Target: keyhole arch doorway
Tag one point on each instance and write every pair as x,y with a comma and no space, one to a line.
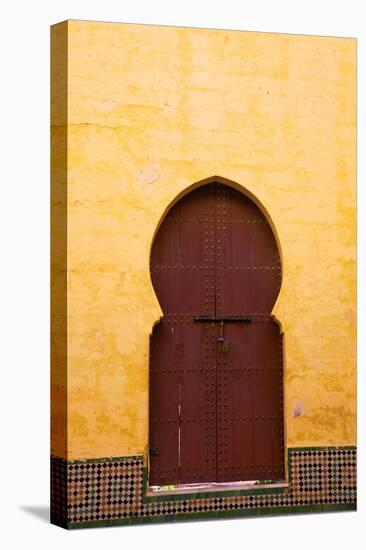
216,355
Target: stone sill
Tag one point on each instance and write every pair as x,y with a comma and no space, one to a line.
215,487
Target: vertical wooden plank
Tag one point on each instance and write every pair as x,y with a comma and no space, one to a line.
249,375
182,425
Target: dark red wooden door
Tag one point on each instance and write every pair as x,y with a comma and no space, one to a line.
216,411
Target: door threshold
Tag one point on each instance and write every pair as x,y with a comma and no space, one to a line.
214,487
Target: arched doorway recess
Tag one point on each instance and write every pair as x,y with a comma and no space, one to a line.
216,358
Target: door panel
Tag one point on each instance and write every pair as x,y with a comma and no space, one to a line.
163,405
198,411
183,351
182,403
248,267
249,413
256,290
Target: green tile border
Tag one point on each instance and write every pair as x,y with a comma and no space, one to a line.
227,514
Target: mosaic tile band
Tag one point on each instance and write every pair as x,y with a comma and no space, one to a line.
112,491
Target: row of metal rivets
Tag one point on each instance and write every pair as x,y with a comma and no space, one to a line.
182,369
228,267
206,219
252,268
222,407
259,417
210,341
252,467
203,220
240,314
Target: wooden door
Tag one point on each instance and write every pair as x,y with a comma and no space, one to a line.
215,384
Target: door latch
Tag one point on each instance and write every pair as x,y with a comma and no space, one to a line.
224,344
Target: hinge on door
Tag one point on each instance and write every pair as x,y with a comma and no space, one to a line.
153,451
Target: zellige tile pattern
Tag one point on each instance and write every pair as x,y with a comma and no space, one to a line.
108,491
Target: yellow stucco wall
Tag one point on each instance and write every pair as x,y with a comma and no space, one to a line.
151,110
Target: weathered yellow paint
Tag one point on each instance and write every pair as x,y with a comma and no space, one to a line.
151,111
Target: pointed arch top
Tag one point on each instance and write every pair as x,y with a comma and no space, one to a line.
230,183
